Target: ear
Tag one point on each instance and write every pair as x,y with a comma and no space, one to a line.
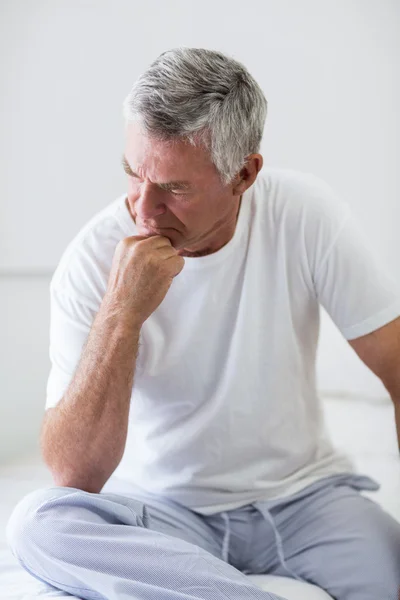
248,174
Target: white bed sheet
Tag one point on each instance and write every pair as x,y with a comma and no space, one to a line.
364,429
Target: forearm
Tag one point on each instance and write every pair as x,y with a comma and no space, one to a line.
84,436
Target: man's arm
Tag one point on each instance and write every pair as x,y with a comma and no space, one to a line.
380,351
83,437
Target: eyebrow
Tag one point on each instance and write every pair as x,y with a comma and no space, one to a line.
170,185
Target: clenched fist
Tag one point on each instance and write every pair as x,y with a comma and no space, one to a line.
141,273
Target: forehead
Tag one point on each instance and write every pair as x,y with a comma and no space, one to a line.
175,160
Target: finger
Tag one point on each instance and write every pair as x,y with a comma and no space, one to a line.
156,241
166,252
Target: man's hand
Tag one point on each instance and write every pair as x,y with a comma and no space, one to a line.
142,271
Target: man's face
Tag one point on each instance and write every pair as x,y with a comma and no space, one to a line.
174,190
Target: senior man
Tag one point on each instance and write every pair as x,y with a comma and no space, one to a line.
183,427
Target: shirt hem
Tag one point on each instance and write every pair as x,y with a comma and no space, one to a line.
370,324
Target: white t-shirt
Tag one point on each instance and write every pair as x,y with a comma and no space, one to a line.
224,408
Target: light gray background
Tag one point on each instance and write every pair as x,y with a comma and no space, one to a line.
329,70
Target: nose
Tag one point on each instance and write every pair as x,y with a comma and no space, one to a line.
149,202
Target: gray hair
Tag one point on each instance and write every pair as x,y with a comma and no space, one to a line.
204,97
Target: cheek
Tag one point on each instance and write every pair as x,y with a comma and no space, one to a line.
192,216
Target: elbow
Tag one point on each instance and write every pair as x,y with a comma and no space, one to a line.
74,481
85,480
72,477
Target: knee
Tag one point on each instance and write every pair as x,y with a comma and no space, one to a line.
26,521
373,572
384,563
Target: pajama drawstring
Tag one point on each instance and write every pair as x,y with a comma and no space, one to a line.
225,543
266,514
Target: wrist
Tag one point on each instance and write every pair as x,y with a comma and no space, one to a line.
120,316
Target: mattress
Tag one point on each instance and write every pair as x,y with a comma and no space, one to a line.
364,429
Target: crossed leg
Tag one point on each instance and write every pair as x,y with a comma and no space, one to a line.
109,546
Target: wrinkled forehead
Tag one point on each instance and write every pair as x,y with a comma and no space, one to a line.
164,160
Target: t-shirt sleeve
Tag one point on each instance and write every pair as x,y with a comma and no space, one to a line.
350,281
70,324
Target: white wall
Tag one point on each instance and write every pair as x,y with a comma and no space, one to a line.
24,362
329,70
